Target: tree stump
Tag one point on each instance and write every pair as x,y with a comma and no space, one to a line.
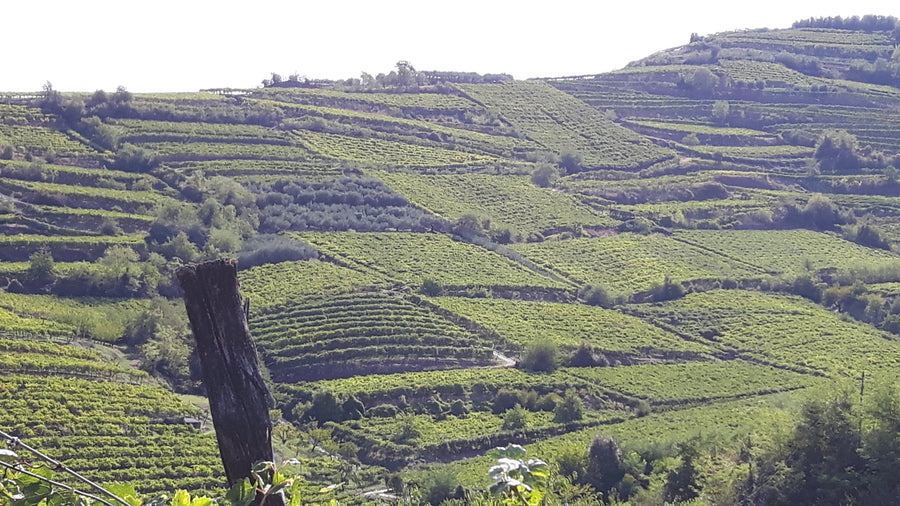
238,396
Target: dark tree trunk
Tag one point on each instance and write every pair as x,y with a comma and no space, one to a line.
238,397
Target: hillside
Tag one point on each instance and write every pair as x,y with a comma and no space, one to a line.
694,243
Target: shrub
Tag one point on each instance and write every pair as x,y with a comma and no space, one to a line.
271,248
548,402
570,409
605,466
596,295
642,408
540,356
545,175
431,288
668,290
583,357
383,411
15,286
804,286
458,408
515,419
506,399
134,159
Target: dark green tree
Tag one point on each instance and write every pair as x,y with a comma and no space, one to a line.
605,467
569,409
836,152
682,482
540,356
324,408
41,266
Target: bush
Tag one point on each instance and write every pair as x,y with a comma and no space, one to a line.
383,411
458,408
668,290
548,402
540,356
583,357
15,286
506,399
431,288
134,159
271,249
545,175
805,286
605,466
570,409
596,295
515,419
642,408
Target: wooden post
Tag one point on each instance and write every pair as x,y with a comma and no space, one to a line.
238,396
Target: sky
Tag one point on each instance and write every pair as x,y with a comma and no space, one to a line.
188,45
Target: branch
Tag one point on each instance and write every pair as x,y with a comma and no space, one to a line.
14,442
53,482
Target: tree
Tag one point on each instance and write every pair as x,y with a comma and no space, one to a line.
703,81
133,158
583,357
571,161
41,266
605,467
720,111
569,409
836,152
540,356
324,408
515,418
820,213
545,175
824,450
596,295
682,482
467,225
122,96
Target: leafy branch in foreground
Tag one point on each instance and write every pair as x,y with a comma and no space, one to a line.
25,487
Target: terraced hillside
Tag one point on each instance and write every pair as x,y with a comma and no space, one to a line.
446,263
63,395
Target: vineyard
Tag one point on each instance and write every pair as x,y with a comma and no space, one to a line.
111,431
680,252
559,122
413,258
631,263
506,201
365,333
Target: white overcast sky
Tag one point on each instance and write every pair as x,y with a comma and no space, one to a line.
186,45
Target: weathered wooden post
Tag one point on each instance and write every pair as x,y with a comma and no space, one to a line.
238,396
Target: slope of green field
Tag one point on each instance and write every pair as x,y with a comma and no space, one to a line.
791,252
112,432
279,284
568,325
785,331
413,258
359,334
561,123
690,166
507,201
630,263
